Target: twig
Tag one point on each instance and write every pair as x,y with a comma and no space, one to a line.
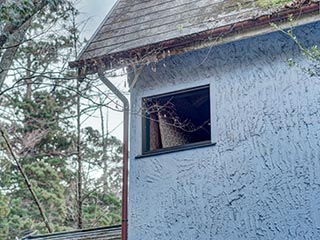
28,183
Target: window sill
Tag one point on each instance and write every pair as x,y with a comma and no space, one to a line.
176,149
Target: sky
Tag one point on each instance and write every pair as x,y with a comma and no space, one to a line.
94,11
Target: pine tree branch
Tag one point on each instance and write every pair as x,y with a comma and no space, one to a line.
28,183
11,28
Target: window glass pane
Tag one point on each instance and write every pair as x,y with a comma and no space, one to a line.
176,119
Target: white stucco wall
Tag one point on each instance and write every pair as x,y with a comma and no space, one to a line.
262,178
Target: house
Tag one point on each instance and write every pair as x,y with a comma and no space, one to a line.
224,134
102,233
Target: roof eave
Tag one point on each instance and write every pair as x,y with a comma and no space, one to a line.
227,33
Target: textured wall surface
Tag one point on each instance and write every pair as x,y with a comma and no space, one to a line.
262,178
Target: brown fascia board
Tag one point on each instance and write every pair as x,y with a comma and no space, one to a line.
160,50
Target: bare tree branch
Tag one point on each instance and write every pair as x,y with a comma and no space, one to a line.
28,183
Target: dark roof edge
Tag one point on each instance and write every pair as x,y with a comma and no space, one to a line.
178,45
116,227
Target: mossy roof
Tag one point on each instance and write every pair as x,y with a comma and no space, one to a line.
132,26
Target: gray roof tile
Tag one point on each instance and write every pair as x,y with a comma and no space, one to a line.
133,24
102,233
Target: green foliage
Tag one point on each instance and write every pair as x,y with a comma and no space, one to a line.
272,3
39,113
312,54
48,164
102,204
11,11
4,213
102,210
14,11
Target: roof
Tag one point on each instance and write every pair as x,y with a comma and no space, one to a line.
105,233
135,28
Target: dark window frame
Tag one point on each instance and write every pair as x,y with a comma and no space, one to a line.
146,129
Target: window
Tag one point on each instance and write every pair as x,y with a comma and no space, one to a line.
176,120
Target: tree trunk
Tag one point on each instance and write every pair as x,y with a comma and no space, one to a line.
9,54
28,79
104,150
10,28
79,160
